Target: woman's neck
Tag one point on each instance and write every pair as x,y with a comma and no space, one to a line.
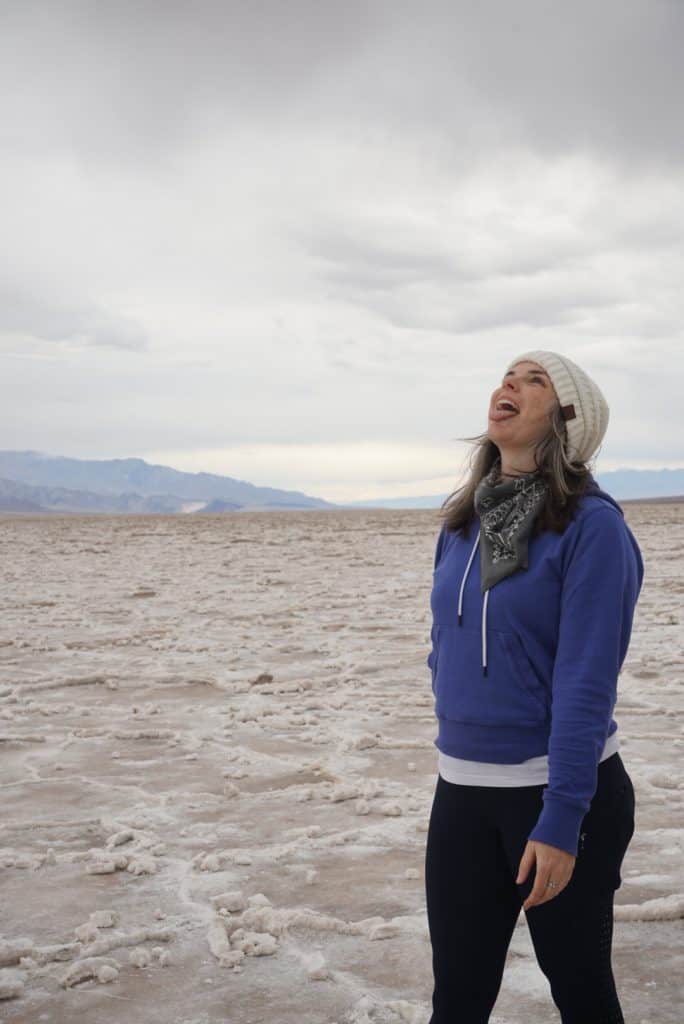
501,476
507,470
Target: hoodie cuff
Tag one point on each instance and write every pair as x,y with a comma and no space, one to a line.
558,825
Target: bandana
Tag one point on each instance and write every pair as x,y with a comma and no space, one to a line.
507,509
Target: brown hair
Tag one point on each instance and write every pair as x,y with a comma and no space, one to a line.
567,481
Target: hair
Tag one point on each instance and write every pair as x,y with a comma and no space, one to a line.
567,480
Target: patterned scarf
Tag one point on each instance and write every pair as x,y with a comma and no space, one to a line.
507,509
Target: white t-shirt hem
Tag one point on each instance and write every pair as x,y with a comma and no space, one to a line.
534,771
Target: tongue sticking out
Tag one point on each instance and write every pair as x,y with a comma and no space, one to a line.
502,414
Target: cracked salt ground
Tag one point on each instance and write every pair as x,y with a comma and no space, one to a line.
216,790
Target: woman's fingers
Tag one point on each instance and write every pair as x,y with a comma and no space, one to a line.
552,864
541,892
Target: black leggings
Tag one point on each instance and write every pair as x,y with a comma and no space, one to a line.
475,841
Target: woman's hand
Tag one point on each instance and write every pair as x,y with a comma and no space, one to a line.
553,863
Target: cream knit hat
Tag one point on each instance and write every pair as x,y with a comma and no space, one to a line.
583,404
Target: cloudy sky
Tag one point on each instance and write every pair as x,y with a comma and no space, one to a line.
297,242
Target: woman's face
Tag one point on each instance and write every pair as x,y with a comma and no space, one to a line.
528,386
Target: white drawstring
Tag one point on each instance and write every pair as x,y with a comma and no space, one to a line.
465,577
484,632
484,604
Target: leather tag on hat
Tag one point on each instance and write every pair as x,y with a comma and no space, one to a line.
568,412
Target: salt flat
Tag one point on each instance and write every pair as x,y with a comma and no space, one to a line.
218,764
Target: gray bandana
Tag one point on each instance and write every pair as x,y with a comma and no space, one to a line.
507,509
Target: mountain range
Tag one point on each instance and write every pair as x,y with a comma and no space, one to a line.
35,483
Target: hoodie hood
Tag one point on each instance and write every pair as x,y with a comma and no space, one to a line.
595,490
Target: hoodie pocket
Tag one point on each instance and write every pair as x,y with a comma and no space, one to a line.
524,673
464,694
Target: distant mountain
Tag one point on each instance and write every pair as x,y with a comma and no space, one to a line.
623,484
643,483
33,482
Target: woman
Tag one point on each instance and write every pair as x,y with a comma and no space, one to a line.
533,806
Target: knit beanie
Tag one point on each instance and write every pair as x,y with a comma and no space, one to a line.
583,404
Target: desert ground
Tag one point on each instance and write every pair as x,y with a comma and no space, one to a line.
217,740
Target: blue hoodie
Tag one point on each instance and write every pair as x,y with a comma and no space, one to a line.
531,666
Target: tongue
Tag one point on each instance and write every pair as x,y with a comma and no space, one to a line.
503,414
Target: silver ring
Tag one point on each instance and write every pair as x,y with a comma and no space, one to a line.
554,885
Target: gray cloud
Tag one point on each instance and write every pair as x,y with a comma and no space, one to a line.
39,317
461,277
136,80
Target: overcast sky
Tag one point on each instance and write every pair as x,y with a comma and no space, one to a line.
298,242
